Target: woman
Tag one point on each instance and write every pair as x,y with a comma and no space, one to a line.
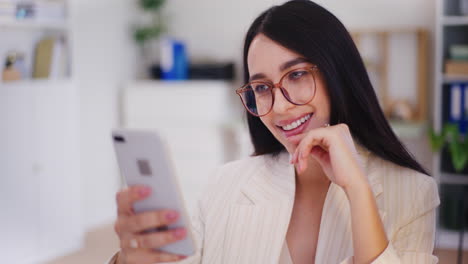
329,182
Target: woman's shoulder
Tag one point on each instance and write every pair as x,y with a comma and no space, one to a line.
403,188
395,174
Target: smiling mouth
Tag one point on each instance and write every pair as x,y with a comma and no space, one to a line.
297,123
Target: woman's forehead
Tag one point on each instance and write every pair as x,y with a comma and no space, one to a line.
265,55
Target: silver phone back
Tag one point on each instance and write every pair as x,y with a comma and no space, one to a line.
143,160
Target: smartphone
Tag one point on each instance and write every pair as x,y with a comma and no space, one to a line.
144,160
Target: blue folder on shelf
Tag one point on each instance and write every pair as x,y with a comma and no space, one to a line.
464,125
458,113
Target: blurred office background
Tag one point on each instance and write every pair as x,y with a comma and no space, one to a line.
72,70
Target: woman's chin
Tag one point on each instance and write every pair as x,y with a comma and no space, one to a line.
291,143
294,140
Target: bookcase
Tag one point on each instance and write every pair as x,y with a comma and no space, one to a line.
22,34
451,29
40,194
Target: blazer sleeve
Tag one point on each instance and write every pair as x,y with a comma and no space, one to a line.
413,243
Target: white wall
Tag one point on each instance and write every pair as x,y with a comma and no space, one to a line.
103,57
215,29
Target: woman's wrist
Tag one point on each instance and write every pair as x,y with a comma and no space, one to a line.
357,186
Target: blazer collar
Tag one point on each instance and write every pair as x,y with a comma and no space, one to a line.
275,178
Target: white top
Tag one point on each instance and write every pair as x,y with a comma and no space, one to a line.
285,257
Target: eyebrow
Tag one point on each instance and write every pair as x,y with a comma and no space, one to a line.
283,67
291,63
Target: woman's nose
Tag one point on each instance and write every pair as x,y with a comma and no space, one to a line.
280,104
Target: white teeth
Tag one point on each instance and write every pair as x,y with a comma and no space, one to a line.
296,123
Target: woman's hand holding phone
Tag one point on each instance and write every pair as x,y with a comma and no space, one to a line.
136,243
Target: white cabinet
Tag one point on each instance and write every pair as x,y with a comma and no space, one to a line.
195,118
18,190
40,206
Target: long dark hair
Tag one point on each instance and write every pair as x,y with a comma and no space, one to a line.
310,30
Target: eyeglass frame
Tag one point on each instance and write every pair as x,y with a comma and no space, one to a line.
278,85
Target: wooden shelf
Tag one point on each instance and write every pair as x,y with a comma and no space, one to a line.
30,24
409,129
448,239
454,78
455,21
450,178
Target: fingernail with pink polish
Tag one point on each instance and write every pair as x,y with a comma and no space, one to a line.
179,233
144,191
172,215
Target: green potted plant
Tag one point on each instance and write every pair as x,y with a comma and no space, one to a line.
146,34
452,195
457,145
156,26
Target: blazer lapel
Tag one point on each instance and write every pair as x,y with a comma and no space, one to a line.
335,235
258,221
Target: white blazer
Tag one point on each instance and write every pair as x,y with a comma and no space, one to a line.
244,214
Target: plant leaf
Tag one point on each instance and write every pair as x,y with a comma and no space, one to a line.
143,34
437,141
459,154
153,5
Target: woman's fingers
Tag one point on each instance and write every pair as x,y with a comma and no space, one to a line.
320,153
308,140
152,240
161,238
138,242
145,220
147,256
126,197
315,137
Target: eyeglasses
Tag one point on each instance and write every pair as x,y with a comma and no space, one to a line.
297,86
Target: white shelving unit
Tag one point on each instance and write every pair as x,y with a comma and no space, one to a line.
27,24
450,178
22,35
446,79
40,198
451,28
448,239
454,20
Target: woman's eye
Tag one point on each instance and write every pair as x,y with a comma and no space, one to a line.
260,88
297,75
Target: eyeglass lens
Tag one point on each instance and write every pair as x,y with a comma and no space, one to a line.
298,88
